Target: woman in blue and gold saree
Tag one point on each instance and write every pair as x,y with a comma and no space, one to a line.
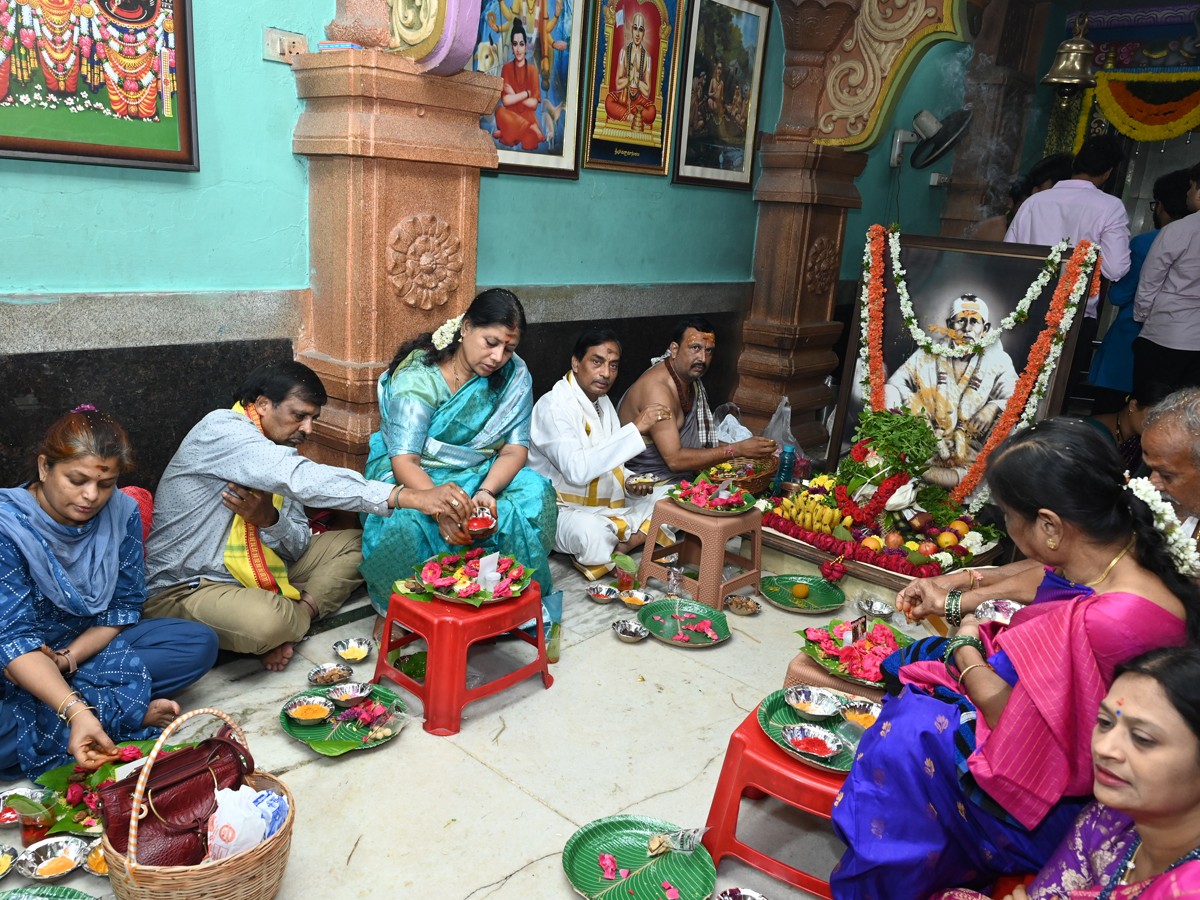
455,407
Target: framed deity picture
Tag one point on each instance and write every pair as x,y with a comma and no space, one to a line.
537,48
108,82
990,332
632,84
722,86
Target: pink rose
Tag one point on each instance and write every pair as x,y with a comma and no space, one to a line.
74,795
91,799
130,753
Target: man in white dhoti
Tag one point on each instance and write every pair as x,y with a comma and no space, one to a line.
577,441
962,397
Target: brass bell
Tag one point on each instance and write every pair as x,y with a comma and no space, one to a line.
1072,68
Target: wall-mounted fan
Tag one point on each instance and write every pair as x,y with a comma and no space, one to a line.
934,138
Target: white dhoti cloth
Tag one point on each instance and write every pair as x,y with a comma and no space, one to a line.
582,447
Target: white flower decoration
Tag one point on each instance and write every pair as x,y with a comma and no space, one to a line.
444,336
1179,543
972,542
943,559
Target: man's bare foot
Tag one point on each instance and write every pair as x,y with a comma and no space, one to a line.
161,713
276,660
638,540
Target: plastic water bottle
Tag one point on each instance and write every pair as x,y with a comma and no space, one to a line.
787,463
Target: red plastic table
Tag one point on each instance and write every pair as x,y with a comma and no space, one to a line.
449,629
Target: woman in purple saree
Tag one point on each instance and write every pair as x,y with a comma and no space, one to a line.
1141,837
980,760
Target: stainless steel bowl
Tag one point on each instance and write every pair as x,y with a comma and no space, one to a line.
350,693
73,848
865,707
353,646
329,673
741,605
94,847
875,608
812,703
793,733
313,700
630,631
602,593
8,856
634,599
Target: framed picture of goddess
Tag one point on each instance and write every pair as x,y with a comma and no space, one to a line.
108,82
632,85
536,47
718,118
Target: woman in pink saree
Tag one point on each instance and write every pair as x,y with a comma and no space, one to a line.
980,760
1141,836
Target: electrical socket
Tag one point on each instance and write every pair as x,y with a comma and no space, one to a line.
939,179
282,46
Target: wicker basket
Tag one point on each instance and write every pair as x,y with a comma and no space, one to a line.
756,484
254,874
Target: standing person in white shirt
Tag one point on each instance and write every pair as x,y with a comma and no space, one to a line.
1077,209
578,442
1168,300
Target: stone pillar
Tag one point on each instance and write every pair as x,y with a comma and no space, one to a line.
393,160
804,192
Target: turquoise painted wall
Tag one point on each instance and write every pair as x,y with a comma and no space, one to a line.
904,195
240,222
614,227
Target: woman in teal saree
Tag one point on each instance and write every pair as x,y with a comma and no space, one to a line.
455,408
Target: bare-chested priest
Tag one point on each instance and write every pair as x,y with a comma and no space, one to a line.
685,441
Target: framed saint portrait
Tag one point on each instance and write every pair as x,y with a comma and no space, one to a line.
108,82
995,300
537,48
722,87
632,84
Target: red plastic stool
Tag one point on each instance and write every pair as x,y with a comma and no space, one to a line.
753,764
449,630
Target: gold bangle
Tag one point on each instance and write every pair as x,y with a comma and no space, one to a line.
93,709
963,673
62,706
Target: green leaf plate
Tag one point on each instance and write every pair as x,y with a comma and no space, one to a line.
834,667
627,838
659,617
330,739
479,599
823,596
774,713
46,892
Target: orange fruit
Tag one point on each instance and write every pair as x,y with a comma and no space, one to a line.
959,527
800,591
873,541
947,539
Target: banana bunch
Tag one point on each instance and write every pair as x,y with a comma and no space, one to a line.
812,513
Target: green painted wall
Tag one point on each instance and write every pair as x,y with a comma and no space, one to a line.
614,227
240,222
904,195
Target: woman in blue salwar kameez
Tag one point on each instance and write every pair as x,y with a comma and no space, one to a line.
455,407
82,669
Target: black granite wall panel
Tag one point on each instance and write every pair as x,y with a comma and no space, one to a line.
156,393
159,393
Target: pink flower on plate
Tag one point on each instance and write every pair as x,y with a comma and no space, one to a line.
91,800
608,866
130,753
682,638
74,794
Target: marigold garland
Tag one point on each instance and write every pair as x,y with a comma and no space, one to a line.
1141,120
873,293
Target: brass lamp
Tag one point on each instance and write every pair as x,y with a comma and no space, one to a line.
1072,68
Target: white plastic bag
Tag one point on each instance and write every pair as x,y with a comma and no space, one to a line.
779,429
236,825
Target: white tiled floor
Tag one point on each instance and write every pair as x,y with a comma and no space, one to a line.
485,813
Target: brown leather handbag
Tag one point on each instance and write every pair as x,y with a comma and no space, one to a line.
180,796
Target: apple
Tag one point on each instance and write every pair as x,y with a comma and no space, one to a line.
927,548
893,539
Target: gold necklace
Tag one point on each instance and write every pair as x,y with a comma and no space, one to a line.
1116,559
